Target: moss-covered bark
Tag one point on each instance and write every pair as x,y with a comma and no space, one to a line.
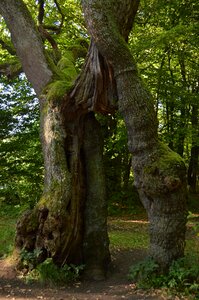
96,241
159,173
56,226
69,222
59,213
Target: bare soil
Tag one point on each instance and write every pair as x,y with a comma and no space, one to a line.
116,286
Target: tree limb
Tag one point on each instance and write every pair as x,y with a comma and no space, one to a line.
27,42
7,47
10,70
61,13
41,11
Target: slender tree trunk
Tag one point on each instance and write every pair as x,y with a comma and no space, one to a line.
193,169
170,105
127,171
160,174
183,110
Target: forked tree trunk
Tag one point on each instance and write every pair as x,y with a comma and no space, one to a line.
160,174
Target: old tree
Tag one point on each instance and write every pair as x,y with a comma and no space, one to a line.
69,222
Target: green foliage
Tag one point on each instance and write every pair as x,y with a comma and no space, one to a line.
182,277
144,273
165,45
48,273
122,196
192,217
28,258
8,219
21,159
7,232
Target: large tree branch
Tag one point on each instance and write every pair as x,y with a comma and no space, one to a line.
109,25
29,46
10,70
7,47
110,30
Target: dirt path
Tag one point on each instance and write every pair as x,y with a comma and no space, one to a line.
115,287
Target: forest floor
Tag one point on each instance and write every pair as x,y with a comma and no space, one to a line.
116,286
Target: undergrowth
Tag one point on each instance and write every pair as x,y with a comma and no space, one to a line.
181,279
48,273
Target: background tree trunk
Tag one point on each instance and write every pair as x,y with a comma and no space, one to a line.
159,173
193,169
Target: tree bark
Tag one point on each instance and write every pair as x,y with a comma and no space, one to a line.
27,42
55,226
61,224
96,241
160,174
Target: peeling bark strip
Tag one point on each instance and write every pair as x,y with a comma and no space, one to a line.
94,89
160,174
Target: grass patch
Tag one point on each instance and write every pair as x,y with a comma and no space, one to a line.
8,219
128,234
128,240
7,233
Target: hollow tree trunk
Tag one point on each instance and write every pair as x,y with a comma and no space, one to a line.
69,222
56,226
159,173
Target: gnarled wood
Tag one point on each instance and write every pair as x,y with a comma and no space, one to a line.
56,225
94,89
160,175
